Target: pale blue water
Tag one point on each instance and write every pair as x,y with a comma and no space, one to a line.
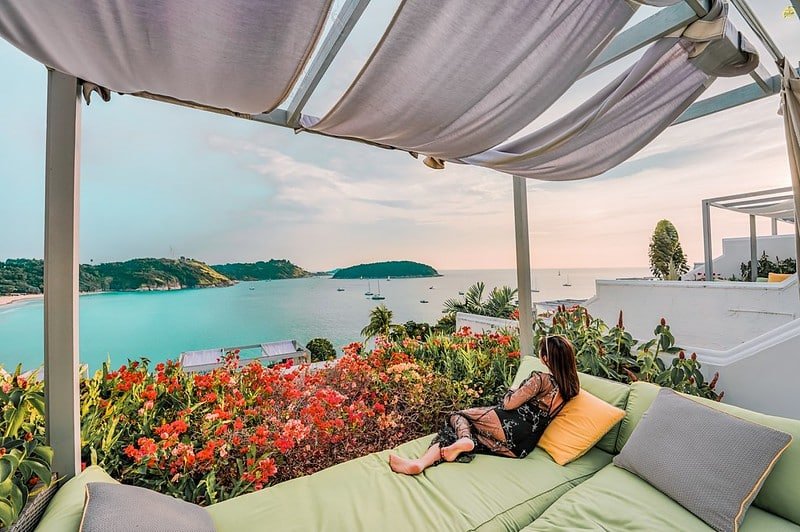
160,325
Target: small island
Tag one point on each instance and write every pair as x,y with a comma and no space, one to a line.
26,276
393,269
262,270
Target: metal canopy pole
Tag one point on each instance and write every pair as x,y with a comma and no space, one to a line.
61,213
707,258
774,226
342,26
523,267
753,249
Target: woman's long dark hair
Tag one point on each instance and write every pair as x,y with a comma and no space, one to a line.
559,356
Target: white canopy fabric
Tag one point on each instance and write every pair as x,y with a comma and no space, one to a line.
452,78
239,55
783,210
628,113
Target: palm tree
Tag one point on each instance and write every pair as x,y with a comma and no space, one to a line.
500,304
380,323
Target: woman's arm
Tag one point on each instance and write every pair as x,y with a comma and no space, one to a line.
529,388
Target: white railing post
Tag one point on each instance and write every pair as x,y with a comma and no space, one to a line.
708,266
753,249
523,266
61,213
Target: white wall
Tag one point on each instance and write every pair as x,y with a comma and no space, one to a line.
749,332
711,315
481,324
735,251
760,374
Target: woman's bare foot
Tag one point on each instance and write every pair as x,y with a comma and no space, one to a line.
404,465
461,445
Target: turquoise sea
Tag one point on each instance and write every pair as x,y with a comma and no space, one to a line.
160,325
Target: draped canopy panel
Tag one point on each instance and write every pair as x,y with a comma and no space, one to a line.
239,55
452,78
631,111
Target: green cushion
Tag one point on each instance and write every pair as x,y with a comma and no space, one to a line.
490,493
64,512
780,493
611,392
642,395
614,499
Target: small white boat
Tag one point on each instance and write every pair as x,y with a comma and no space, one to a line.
378,296
369,290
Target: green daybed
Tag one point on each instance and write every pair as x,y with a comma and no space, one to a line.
489,494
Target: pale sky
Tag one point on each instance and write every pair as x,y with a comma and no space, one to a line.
160,180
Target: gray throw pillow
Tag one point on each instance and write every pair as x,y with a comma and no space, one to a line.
710,462
121,508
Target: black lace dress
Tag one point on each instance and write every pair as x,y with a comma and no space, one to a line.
512,428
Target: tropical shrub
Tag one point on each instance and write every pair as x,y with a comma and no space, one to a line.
321,349
765,266
420,331
614,354
667,260
25,460
482,365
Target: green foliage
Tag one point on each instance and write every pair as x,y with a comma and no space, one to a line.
260,271
380,324
419,331
25,276
499,304
21,276
613,353
667,260
380,270
321,349
25,460
480,366
767,266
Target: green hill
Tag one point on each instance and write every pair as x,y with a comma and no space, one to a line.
25,276
379,270
259,271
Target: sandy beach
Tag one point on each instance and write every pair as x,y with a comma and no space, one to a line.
7,300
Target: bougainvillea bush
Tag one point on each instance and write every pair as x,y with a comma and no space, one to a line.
209,437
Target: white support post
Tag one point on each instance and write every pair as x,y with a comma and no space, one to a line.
523,267
61,213
753,249
708,264
774,226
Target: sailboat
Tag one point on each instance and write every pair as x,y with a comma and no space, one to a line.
567,283
533,288
369,289
378,296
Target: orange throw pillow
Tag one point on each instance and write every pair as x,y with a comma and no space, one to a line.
583,421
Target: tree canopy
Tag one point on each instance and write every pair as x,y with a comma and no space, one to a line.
667,259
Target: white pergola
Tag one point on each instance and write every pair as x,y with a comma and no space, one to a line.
27,24
777,204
